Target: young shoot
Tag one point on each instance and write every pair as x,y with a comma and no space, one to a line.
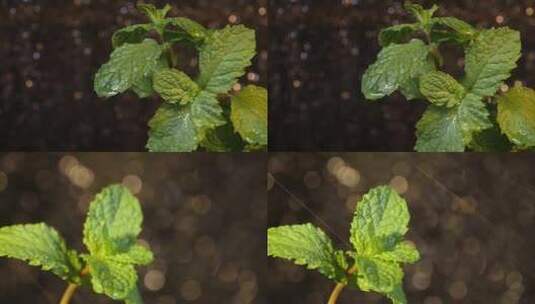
478,112
111,230
210,111
373,264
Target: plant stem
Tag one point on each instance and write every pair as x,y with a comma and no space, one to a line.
69,292
438,56
340,286
71,288
172,56
434,49
335,294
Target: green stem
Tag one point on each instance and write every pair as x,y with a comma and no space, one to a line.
69,292
71,289
427,36
439,59
173,57
335,294
340,287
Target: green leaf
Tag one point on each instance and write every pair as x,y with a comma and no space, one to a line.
424,16
452,129
224,58
439,131
397,295
450,29
306,245
249,114
113,222
396,65
155,15
134,297
129,64
131,34
222,139
400,33
40,245
378,275
185,29
516,116
403,252
172,130
144,88
491,140
411,88
175,86
441,89
490,58
206,114
114,279
110,232
380,219
136,254
180,129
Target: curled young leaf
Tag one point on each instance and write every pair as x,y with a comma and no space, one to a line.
175,86
184,29
145,88
451,29
131,34
398,34
155,15
441,89
424,16
411,88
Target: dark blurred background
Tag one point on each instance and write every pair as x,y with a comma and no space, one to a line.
50,51
319,51
473,219
204,218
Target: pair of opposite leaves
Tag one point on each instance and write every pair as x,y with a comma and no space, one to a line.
379,224
110,232
458,116
192,115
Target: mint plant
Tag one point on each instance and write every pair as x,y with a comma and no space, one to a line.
464,114
197,113
110,234
374,264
